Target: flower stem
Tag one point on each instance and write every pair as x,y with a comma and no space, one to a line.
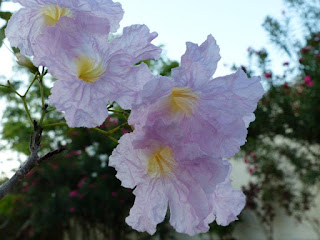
116,111
113,139
32,82
44,106
108,133
23,98
5,86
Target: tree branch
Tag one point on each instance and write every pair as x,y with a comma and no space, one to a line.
32,161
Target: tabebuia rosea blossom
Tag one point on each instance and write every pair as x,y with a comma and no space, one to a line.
91,73
97,17
182,178
214,113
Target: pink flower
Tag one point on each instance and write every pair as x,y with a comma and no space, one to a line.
124,131
183,178
286,64
97,17
268,75
113,194
74,193
307,78
114,121
91,72
310,84
82,182
214,113
308,81
76,152
29,174
251,171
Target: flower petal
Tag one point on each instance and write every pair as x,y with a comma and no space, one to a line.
149,209
84,105
124,158
136,42
23,28
199,63
228,203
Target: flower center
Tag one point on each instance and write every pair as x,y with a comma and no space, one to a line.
88,70
183,100
53,13
162,163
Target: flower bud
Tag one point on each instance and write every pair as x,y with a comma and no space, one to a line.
26,62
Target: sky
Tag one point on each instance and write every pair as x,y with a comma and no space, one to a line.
236,25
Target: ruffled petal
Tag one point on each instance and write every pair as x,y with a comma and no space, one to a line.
126,160
189,206
228,203
126,90
136,43
234,95
152,92
225,102
149,209
104,10
84,105
198,64
209,172
23,28
26,3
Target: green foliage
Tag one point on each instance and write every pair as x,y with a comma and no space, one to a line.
283,148
5,16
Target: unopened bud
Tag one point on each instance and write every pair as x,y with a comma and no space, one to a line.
26,62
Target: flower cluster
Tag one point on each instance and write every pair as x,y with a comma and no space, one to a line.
184,126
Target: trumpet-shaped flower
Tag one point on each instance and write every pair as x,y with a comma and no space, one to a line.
182,178
92,73
97,16
214,113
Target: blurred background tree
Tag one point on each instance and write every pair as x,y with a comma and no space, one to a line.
76,194
282,152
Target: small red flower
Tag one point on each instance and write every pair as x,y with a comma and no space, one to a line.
268,75
74,193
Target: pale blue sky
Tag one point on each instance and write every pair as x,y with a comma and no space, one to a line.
235,24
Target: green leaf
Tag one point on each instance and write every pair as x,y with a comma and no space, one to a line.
2,35
5,15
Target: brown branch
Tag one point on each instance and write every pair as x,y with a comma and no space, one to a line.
32,161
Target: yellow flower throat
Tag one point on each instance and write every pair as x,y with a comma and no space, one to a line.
183,100
88,70
53,13
162,163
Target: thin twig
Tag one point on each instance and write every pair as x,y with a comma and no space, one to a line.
32,161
